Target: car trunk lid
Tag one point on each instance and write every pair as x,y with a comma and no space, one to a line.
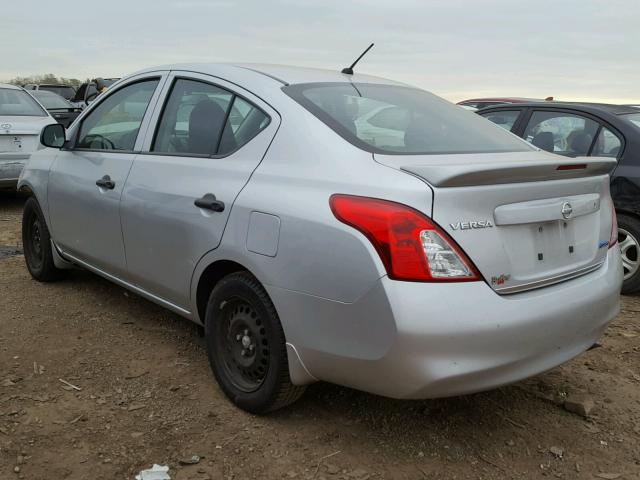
527,219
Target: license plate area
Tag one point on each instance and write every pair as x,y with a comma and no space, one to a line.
546,249
554,241
11,143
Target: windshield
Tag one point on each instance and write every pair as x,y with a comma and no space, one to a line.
633,118
393,119
19,102
62,90
50,100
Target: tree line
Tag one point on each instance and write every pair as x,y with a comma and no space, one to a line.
46,78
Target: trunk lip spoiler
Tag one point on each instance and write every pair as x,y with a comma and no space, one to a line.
465,170
482,173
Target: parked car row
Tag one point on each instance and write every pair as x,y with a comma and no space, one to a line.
331,226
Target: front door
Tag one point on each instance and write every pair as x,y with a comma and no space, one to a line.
200,151
86,181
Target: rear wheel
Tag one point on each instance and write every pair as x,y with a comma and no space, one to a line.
36,242
246,345
629,241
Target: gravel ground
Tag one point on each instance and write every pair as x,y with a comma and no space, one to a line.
143,393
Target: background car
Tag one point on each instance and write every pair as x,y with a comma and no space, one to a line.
479,103
21,121
588,129
87,92
65,91
62,110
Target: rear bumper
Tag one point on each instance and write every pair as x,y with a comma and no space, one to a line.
11,165
417,340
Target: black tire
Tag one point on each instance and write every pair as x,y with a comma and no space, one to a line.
36,242
246,345
629,241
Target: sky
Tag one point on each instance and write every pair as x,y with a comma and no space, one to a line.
458,49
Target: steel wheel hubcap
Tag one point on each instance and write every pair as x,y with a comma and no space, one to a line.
35,244
629,250
243,345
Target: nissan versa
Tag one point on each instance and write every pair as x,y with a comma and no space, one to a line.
328,226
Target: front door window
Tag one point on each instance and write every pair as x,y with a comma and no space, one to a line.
115,123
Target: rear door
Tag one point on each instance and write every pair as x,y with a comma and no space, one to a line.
200,151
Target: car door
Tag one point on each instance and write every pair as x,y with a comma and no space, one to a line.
201,148
87,179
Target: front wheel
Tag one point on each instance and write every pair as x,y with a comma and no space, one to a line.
36,242
629,241
246,345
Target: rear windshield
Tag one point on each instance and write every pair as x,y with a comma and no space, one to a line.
62,90
392,119
19,102
49,100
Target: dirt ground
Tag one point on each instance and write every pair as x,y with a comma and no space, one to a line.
145,395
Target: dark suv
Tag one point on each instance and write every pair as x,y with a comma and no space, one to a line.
590,129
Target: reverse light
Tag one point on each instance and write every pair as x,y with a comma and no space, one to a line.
411,246
613,237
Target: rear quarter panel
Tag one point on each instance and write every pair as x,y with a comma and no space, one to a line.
316,254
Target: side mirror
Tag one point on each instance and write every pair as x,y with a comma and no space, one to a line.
53,136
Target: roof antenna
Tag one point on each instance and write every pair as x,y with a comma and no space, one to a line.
349,70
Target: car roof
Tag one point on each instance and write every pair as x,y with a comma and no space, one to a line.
503,99
585,106
44,93
283,74
8,85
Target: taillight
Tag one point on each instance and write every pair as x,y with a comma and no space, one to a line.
411,246
613,237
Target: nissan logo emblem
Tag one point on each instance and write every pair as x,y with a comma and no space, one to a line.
566,210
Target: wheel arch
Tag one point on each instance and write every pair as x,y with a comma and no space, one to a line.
208,279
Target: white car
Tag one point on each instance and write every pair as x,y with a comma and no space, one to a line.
21,121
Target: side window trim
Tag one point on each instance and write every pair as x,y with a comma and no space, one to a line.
595,139
166,92
224,125
159,76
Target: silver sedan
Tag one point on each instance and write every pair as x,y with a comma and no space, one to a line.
327,226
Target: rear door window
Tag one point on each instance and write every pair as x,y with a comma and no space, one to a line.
504,118
203,119
559,132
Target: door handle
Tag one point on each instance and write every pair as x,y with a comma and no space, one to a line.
209,202
106,182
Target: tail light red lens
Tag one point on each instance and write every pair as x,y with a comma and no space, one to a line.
613,237
412,247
